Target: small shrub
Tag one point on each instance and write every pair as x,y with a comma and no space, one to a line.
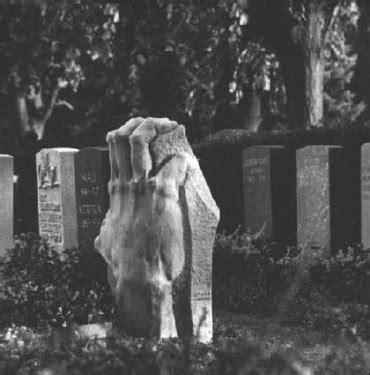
125,355
42,287
328,294
248,278
346,275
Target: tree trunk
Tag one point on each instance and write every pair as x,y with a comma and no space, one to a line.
39,128
18,115
22,126
254,115
314,60
361,80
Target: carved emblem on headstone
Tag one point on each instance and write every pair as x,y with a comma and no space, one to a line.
48,175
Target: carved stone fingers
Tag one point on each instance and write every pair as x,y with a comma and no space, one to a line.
119,151
140,140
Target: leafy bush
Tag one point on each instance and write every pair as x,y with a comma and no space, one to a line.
246,275
326,294
346,275
125,355
42,287
24,352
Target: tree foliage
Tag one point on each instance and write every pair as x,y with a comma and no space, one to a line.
195,61
49,50
338,22
211,66
341,59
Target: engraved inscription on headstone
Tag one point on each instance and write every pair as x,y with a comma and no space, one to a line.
56,197
269,189
257,190
320,198
91,175
6,203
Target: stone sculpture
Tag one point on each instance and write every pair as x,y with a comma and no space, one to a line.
158,234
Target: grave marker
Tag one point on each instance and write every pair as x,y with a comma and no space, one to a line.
321,198
92,171
56,197
365,195
269,192
6,203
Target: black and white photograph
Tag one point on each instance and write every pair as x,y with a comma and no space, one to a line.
185,187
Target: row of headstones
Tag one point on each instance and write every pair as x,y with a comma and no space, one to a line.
73,200
308,197
317,197
72,196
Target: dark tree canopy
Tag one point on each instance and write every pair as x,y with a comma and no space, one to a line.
67,66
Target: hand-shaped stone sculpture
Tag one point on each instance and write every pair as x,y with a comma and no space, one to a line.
158,234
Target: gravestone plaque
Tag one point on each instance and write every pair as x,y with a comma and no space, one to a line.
269,192
320,198
92,171
6,203
365,195
56,197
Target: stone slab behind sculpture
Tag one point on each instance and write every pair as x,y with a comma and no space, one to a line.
56,197
269,193
6,203
202,218
92,199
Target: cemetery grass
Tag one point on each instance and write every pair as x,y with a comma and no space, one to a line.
242,344
325,326
321,351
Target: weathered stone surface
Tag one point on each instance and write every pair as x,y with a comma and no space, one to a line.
320,198
6,203
157,237
269,189
365,195
92,199
56,197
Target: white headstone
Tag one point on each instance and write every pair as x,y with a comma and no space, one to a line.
57,197
6,203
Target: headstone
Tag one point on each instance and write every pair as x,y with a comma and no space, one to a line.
56,197
6,203
91,177
193,311
365,195
157,237
352,187
321,197
269,190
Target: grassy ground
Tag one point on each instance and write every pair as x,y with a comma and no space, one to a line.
242,346
343,354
